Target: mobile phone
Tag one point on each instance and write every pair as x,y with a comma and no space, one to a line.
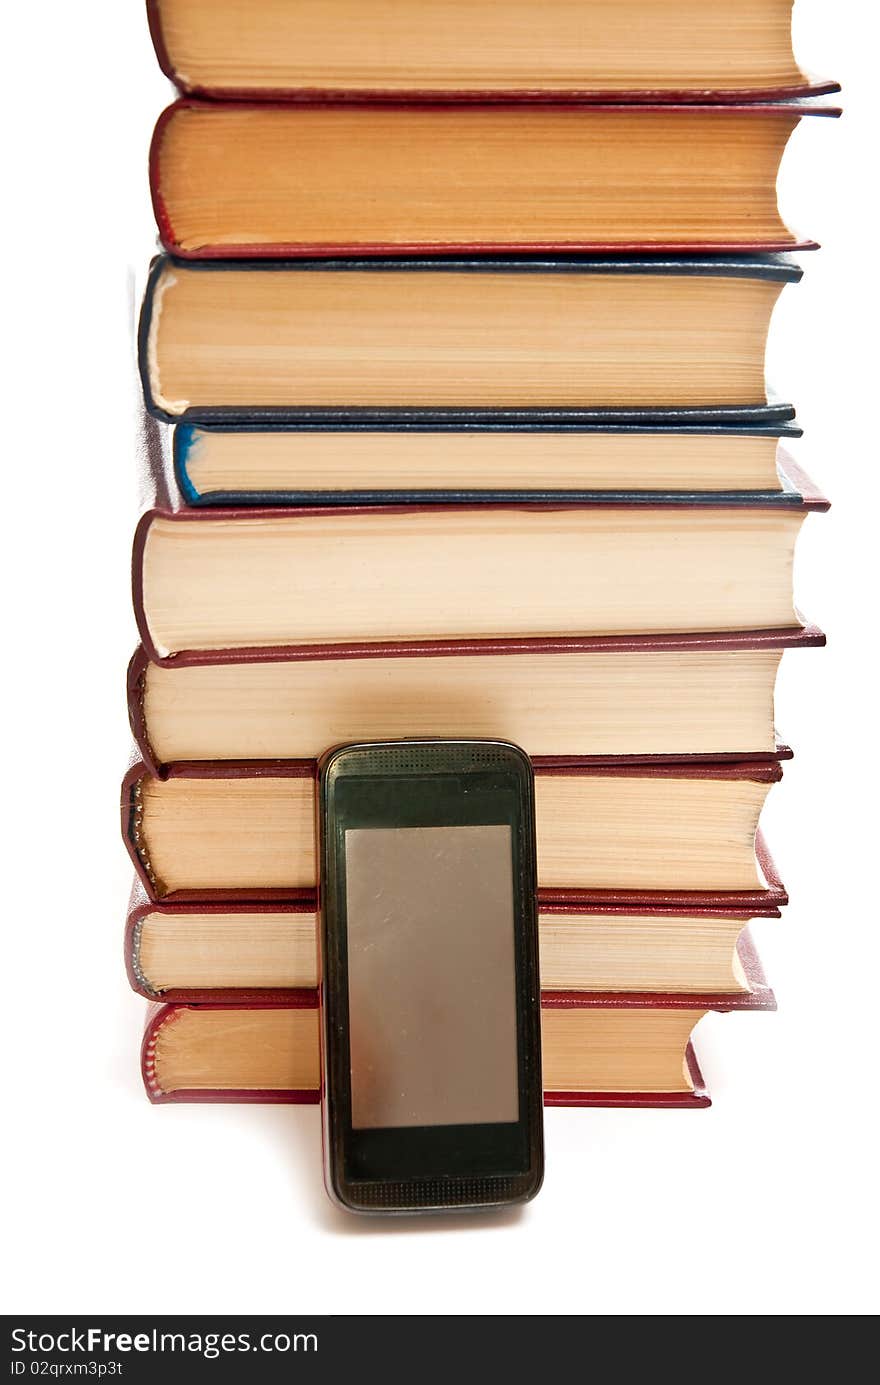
430,995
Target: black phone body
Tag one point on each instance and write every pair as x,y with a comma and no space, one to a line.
430,994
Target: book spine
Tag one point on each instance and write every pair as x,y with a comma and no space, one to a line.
135,685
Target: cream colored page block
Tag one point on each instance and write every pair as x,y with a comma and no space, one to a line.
605,832
272,1050
594,952
483,573
616,1050
564,704
214,950
206,834
282,337
599,952
299,175
614,833
565,45
279,461
277,1050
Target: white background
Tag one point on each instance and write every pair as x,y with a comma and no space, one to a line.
764,1205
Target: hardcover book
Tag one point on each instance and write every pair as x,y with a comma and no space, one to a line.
657,697
210,580
355,463
553,339
197,952
599,1049
481,49
239,181
636,834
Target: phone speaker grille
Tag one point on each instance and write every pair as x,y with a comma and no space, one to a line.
379,760
424,1194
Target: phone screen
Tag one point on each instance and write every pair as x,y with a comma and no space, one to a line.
431,975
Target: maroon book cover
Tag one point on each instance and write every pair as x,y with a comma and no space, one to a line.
758,997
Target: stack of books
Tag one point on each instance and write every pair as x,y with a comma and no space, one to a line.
460,329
